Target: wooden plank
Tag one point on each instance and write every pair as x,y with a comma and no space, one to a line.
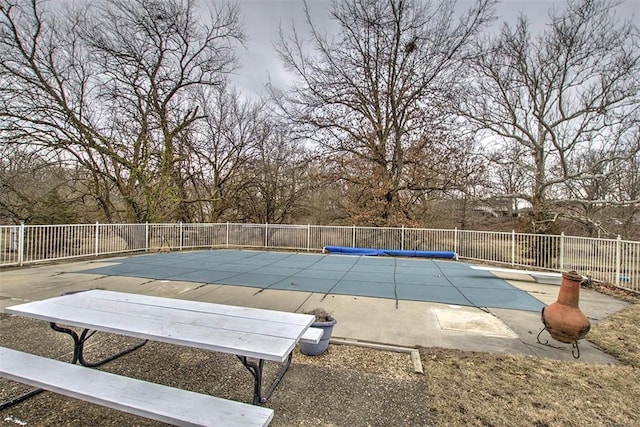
155,401
163,330
142,312
206,307
312,336
264,334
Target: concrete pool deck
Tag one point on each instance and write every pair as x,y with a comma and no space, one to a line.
361,319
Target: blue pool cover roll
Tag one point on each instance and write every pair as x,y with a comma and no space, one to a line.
389,252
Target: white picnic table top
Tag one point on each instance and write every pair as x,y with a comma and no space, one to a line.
242,331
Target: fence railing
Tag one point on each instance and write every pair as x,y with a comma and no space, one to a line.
612,260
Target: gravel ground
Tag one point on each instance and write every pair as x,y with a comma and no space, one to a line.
346,386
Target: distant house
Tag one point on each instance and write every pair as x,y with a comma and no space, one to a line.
498,208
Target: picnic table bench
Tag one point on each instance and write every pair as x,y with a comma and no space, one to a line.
253,335
155,401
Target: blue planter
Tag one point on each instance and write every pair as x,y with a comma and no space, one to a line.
321,347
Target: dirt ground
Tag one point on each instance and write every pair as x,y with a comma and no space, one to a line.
353,386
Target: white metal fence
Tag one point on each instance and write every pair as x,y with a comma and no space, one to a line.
613,260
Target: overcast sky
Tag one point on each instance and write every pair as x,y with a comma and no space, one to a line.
262,19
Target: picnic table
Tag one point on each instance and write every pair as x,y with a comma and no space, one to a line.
253,335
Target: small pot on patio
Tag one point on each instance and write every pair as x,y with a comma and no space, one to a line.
325,322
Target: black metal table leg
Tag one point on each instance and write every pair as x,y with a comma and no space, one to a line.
78,346
78,357
256,370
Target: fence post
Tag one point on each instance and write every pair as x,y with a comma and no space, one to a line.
618,260
97,238
266,235
455,240
227,234
146,236
562,251
353,237
402,239
308,237
181,235
21,245
513,247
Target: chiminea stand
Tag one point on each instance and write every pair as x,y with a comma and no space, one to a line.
575,348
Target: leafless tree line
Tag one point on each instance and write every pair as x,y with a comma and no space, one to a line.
413,113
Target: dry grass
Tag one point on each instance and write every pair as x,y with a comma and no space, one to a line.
385,363
467,388
501,390
619,335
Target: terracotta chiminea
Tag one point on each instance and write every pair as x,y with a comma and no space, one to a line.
563,319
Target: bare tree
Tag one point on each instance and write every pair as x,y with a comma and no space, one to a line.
626,188
371,96
280,181
36,188
224,144
111,85
549,99
507,176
